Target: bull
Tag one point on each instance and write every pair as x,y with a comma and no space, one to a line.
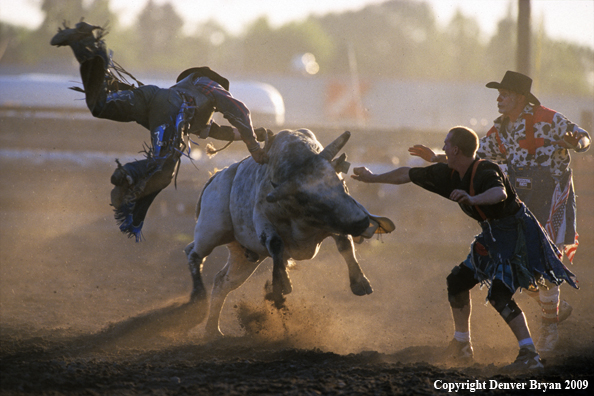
284,210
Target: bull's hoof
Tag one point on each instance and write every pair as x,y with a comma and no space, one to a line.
281,283
198,296
361,287
285,283
277,299
287,287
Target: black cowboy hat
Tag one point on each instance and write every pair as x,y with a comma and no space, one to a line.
205,71
516,82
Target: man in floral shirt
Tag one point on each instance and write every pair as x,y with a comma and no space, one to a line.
534,142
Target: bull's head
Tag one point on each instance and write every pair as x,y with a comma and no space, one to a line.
339,164
313,190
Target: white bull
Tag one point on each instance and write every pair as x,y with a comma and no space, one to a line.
284,210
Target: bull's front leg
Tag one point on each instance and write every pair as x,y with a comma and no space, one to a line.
281,283
360,285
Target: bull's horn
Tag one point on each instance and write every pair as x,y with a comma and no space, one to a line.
333,148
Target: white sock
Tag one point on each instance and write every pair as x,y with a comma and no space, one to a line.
527,343
462,337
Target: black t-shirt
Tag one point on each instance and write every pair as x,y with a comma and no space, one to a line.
442,180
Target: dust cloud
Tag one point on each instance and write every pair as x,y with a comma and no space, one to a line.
67,273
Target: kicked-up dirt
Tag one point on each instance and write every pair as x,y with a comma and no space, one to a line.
86,311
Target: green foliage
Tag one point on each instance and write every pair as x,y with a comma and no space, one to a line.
465,53
58,12
395,39
13,48
501,50
564,67
266,50
98,13
158,31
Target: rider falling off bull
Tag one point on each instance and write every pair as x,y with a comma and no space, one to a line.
170,114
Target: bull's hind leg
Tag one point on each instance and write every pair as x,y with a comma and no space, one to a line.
197,251
360,285
237,270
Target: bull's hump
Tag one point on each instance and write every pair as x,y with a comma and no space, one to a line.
299,141
292,151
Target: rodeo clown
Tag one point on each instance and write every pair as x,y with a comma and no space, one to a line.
170,114
513,251
535,143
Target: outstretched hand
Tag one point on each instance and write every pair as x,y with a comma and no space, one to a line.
424,152
569,141
262,134
362,174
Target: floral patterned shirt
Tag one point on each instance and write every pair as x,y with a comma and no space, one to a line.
509,143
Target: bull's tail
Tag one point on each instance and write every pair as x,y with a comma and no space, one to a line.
202,193
188,249
231,168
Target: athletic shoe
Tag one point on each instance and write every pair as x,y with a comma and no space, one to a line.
564,310
81,31
459,353
549,337
527,360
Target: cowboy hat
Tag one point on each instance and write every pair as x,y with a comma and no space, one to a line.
204,71
516,82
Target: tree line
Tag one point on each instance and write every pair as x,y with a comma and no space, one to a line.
397,39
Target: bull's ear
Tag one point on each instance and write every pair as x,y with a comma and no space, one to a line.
340,164
333,148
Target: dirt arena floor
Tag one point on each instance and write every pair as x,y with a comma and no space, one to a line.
86,311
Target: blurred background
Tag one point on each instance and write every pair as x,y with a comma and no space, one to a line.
378,64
